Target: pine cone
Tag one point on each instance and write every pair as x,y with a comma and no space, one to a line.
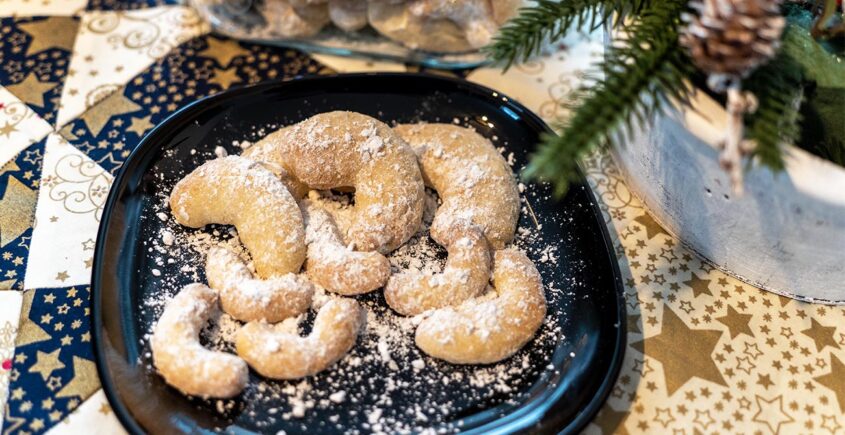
732,37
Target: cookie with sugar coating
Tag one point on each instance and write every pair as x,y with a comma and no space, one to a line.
465,275
247,298
349,15
287,355
334,266
485,331
475,183
182,360
238,191
396,21
294,18
475,18
347,149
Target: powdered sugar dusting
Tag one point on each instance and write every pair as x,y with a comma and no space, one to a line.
385,384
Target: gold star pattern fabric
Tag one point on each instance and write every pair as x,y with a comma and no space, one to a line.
109,130
49,33
18,205
31,90
736,322
114,105
34,57
706,354
821,335
46,363
53,369
680,367
834,380
19,185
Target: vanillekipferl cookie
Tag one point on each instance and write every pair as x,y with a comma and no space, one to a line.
348,149
485,304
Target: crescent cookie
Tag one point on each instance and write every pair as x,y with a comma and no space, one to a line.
349,15
294,18
488,331
474,17
284,355
347,149
182,360
475,183
237,191
395,20
332,265
247,298
465,276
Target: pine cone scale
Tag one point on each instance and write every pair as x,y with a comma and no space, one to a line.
732,37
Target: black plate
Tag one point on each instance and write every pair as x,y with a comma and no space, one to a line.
566,376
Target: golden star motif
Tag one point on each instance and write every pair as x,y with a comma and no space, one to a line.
694,361
99,114
223,50
703,418
752,350
783,300
698,285
36,424
8,129
771,413
31,90
84,382
46,363
18,393
140,125
745,364
822,335
663,416
62,276
225,77
829,422
765,381
29,331
67,132
736,322
835,380
652,228
54,32
12,424
104,409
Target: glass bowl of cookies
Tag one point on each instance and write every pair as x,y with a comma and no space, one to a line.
432,33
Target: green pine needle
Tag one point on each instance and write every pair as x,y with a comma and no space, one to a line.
549,20
638,75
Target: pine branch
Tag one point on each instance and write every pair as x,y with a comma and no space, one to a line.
777,86
550,20
639,75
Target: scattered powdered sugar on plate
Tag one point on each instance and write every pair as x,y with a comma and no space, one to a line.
385,384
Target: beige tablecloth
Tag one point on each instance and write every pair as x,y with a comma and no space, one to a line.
81,83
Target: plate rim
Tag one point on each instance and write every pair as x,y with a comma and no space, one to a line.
146,144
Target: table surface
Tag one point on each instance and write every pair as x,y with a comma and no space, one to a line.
82,80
